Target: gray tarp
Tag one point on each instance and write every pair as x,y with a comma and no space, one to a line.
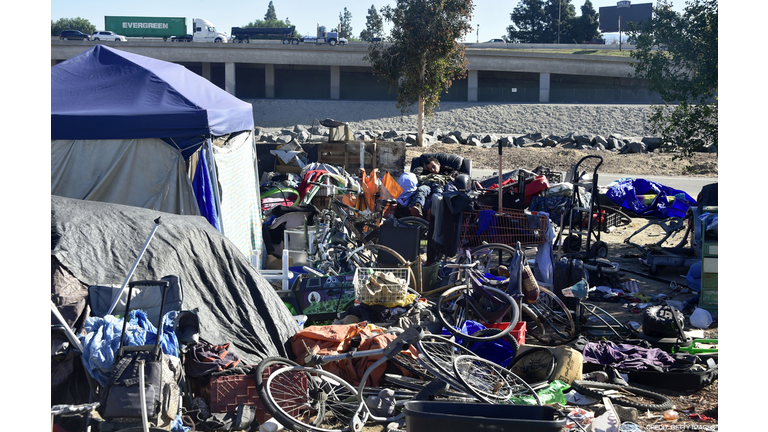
140,172
99,242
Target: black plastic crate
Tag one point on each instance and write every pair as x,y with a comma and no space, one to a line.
428,416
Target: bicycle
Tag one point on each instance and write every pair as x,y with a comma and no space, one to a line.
460,308
307,398
363,228
547,318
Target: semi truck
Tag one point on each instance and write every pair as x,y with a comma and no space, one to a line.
173,28
287,35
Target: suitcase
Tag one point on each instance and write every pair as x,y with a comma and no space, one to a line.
703,371
568,271
121,403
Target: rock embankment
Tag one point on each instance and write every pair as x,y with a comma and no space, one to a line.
617,128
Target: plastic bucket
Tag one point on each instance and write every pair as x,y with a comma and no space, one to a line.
429,277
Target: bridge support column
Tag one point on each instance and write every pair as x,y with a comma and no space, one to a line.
229,78
269,81
472,86
544,87
207,70
335,83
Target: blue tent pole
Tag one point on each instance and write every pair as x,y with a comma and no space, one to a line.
209,146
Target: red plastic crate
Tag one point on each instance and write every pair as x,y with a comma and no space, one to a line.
518,332
227,392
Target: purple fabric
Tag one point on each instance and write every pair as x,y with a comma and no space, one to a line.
627,356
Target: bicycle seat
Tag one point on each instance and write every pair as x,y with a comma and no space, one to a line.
339,239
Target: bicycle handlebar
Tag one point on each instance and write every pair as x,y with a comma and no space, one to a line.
460,265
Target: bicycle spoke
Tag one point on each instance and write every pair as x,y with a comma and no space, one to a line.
313,399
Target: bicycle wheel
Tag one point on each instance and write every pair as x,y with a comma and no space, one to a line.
551,321
623,395
490,382
493,256
436,355
461,308
534,365
308,399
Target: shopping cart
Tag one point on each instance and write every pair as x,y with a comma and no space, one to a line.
483,224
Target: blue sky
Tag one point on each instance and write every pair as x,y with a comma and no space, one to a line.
491,17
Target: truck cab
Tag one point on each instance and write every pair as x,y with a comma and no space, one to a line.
205,31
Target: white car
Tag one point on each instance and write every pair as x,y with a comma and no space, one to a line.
108,36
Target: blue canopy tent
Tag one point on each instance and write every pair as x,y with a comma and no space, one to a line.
107,103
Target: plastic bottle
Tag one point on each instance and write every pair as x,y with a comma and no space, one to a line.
670,415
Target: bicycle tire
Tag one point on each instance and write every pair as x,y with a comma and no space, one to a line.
493,255
454,308
436,354
597,390
265,368
553,321
534,365
327,404
490,382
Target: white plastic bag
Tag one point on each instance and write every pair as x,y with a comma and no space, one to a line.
701,318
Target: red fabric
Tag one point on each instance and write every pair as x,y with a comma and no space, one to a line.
336,339
309,176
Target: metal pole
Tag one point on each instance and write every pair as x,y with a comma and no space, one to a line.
215,179
559,3
135,264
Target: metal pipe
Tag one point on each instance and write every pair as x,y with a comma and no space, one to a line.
135,264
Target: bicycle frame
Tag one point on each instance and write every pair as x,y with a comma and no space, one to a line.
411,335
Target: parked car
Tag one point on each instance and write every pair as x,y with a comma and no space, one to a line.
596,42
185,38
73,35
108,36
496,41
373,39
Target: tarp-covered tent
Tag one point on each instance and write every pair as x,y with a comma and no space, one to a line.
125,128
97,243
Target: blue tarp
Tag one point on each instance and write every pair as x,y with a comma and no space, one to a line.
105,93
668,202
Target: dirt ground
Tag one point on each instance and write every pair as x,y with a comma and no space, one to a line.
702,402
561,159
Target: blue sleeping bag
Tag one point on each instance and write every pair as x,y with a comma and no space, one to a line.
668,202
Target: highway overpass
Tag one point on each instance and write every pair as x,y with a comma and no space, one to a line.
270,69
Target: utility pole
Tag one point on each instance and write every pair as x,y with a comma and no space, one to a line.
478,33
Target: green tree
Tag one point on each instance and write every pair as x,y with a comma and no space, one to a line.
270,15
677,54
424,55
345,24
374,25
528,20
558,11
585,27
78,23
